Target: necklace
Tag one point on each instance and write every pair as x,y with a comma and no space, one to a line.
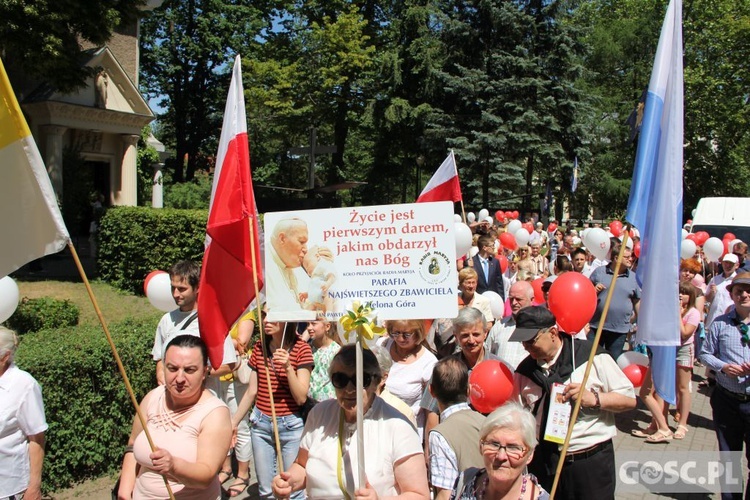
481,490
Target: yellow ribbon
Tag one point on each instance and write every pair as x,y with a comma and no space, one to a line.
361,320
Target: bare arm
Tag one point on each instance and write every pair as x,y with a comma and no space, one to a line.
294,479
129,465
247,400
411,478
223,370
36,461
299,383
244,334
213,444
610,401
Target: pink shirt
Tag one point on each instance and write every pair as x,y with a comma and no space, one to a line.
179,435
691,317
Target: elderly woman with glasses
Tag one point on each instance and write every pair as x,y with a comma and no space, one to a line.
507,441
326,466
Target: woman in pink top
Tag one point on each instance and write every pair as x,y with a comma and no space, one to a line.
691,317
190,427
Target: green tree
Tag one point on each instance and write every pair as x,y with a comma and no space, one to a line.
44,37
188,47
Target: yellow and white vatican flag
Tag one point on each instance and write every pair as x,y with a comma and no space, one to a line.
31,225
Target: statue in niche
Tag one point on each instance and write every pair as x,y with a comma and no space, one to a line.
100,87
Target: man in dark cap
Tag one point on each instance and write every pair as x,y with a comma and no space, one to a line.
551,376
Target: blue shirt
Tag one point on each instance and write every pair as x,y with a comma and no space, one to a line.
627,293
723,345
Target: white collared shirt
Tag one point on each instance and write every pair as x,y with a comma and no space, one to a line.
21,415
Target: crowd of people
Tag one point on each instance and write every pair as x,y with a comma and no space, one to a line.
293,413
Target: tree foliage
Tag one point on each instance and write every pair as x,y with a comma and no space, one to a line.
44,36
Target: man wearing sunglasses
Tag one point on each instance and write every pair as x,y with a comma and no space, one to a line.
726,349
555,361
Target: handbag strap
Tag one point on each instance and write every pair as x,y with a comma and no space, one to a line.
189,320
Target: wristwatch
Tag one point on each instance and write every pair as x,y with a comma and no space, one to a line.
598,404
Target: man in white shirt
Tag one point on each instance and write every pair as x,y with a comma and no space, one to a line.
716,292
185,278
521,295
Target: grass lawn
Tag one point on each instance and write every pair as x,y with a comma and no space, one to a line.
114,304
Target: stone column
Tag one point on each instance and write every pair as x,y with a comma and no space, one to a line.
53,157
128,188
157,189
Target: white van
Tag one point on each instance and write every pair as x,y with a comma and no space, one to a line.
718,216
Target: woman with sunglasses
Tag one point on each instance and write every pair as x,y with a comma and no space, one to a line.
289,364
507,441
412,364
326,466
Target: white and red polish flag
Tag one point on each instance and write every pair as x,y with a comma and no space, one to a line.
226,286
444,185
31,224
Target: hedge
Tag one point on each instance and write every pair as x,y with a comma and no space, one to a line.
87,407
133,241
43,313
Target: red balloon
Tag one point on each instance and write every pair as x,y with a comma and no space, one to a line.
529,227
148,278
515,214
692,237
690,221
729,236
615,227
508,240
636,374
726,246
552,227
503,261
499,215
538,293
490,384
637,249
702,237
572,299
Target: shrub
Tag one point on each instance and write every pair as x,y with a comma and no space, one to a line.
194,194
33,315
133,241
87,407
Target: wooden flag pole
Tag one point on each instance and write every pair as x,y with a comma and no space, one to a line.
589,364
254,261
116,355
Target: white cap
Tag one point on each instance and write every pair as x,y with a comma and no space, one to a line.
730,257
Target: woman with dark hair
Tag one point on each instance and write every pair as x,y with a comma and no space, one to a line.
289,364
189,426
327,461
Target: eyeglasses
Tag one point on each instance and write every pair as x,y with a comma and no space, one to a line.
403,335
536,337
341,380
513,451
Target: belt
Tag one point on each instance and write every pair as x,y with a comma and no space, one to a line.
575,456
744,398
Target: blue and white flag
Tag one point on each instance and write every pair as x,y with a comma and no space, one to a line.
574,177
655,205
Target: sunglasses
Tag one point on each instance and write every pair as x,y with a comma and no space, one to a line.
403,335
743,328
341,380
531,342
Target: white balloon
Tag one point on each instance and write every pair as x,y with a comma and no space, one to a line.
577,241
463,239
489,220
522,237
514,226
483,214
597,242
456,218
584,233
713,248
687,249
159,293
693,212
632,358
8,298
629,244
733,243
496,304
471,217
684,233
474,251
